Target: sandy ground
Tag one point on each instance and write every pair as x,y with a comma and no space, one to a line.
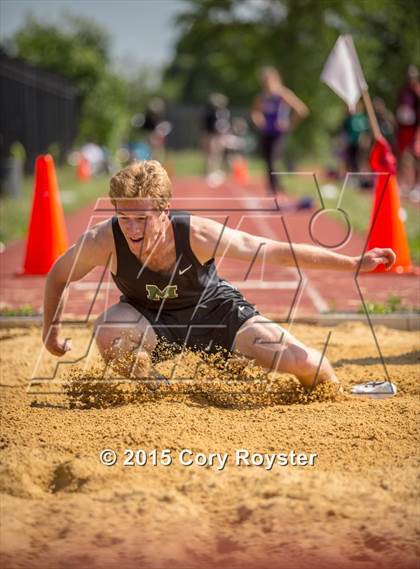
356,507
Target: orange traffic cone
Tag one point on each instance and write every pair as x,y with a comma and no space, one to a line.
47,236
83,169
240,170
387,227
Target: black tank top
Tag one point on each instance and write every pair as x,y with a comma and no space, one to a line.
187,284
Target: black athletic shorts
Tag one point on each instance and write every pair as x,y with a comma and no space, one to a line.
212,326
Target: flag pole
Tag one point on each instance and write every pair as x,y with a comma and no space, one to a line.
371,114
374,125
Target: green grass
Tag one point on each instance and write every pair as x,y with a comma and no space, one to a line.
392,305
187,163
191,163
14,213
24,310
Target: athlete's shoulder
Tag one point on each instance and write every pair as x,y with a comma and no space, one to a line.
205,237
100,234
98,241
203,227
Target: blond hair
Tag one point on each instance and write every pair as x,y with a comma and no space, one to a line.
145,179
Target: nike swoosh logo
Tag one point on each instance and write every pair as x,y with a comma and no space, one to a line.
241,308
181,272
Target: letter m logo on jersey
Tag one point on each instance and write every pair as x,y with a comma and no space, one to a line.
154,292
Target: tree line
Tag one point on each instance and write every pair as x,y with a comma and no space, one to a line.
220,48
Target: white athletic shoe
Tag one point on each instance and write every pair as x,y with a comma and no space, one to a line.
375,389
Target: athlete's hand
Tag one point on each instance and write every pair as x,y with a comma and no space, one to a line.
55,345
375,257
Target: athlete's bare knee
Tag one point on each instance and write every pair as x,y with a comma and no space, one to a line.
126,356
109,342
122,330
114,342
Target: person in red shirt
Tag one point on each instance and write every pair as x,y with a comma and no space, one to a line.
408,131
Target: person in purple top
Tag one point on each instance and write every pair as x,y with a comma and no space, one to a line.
275,112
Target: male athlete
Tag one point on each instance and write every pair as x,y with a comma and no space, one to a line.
164,264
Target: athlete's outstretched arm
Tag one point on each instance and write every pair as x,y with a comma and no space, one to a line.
211,239
73,265
297,105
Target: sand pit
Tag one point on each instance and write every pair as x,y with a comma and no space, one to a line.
355,507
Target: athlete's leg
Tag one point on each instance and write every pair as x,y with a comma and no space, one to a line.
269,143
125,339
272,347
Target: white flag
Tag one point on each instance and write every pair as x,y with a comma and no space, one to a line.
342,72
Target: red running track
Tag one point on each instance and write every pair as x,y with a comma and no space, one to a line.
273,290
